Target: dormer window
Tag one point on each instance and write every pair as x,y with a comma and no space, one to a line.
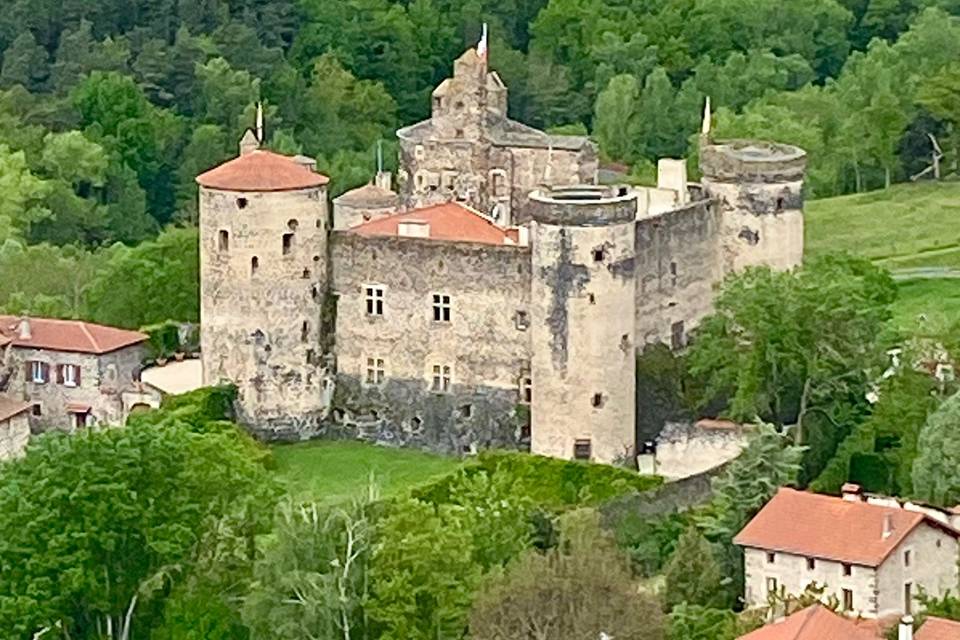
437,102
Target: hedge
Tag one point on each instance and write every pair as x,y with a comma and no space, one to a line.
550,483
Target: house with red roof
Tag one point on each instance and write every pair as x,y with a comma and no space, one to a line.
68,374
938,629
875,558
816,622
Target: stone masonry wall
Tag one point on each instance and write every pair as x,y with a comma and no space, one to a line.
103,378
485,344
677,268
14,436
262,326
933,567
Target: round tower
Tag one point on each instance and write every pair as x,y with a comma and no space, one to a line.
583,296
263,275
759,186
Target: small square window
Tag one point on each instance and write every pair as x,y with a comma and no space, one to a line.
848,600
522,320
287,243
599,255
526,390
582,449
466,410
242,203
374,296
37,410
254,265
223,240
771,558
441,307
597,400
811,564
847,569
771,585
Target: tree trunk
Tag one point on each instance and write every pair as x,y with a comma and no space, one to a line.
859,179
886,177
804,399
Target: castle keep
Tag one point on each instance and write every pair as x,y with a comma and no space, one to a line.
498,299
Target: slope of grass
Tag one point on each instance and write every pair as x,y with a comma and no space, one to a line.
335,471
937,300
904,220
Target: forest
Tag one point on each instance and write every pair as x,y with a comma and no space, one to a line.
110,108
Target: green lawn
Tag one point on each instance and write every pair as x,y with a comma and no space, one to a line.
938,300
903,220
333,471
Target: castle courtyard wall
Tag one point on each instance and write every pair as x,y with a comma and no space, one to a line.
485,343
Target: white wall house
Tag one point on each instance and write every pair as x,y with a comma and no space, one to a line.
873,558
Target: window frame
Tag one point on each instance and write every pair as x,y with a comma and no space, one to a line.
375,300
71,379
39,374
581,446
442,308
441,378
375,373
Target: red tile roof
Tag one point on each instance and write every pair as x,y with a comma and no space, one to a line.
819,526
69,335
10,408
261,171
816,623
938,629
450,221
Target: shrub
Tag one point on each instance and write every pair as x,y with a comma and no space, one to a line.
164,339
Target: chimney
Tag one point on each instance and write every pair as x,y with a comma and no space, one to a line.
23,331
851,492
887,525
906,628
414,229
306,162
384,180
249,142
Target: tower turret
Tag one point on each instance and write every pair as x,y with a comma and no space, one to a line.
583,300
759,186
263,276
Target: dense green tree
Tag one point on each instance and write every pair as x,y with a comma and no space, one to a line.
99,522
582,588
615,107
693,575
423,574
695,622
161,279
935,470
25,63
21,195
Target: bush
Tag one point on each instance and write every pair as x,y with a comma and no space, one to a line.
550,483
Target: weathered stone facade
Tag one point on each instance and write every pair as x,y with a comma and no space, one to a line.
470,151
337,334
59,404
14,428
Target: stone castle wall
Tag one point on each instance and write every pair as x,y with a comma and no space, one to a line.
485,343
262,325
677,267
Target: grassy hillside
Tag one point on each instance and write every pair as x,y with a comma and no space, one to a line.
909,226
901,222
332,471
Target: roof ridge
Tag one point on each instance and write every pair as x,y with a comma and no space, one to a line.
86,332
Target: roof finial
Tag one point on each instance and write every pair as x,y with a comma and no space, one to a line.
379,156
482,45
705,127
260,122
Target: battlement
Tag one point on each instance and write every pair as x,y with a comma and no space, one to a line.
584,205
752,161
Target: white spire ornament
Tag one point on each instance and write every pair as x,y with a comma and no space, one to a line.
705,127
260,122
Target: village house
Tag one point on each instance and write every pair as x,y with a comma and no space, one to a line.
874,558
71,374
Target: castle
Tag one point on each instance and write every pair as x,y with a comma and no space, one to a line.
498,298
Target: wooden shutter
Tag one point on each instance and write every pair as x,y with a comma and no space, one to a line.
45,370
28,369
76,374
60,374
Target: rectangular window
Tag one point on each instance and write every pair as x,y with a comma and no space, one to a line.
376,371
771,586
848,600
522,320
374,301
906,558
771,558
582,449
287,243
37,410
39,372
441,378
441,307
811,564
71,375
673,274
79,420
847,569
223,243
908,598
